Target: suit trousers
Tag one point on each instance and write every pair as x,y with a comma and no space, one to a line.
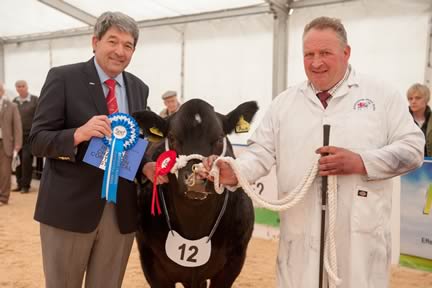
23,171
101,255
5,174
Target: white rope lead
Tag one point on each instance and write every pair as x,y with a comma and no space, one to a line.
330,257
285,203
295,196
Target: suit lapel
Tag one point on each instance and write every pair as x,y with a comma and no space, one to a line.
95,88
130,84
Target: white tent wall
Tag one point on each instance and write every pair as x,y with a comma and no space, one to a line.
157,61
31,61
228,62
28,61
70,50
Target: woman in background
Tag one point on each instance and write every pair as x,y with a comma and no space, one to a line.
418,97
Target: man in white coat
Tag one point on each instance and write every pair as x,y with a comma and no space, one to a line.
372,139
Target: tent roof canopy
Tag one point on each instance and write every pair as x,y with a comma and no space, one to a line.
30,20
44,16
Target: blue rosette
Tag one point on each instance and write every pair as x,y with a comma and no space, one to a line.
124,136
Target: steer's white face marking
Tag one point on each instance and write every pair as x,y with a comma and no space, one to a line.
198,118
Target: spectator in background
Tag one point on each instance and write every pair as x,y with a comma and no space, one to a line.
27,106
10,142
171,104
418,97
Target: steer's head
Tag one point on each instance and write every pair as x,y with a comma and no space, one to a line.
195,129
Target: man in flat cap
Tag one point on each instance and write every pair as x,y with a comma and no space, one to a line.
171,103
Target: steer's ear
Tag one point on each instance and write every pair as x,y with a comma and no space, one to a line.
240,118
153,126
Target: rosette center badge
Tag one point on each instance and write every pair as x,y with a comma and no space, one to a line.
120,132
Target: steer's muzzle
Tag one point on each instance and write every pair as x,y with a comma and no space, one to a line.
196,187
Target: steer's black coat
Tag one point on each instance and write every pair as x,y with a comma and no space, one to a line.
195,129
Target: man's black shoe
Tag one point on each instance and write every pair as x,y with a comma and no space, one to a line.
18,189
25,190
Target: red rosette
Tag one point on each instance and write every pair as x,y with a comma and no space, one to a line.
164,163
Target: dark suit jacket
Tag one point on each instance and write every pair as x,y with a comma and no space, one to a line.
70,190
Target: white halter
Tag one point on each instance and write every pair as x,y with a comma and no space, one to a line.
182,160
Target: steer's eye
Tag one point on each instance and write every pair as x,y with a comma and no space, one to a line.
173,141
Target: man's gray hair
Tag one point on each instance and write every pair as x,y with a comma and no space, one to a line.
21,82
322,23
121,21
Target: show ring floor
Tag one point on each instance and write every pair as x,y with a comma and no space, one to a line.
21,262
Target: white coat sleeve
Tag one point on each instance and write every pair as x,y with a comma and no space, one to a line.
405,143
259,156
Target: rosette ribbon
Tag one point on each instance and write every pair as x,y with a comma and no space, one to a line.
164,163
124,136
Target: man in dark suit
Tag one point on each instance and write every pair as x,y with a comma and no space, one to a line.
80,232
27,106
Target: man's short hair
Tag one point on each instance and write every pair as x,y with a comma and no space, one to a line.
169,94
119,20
334,24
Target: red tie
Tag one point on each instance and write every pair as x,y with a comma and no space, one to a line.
111,98
323,96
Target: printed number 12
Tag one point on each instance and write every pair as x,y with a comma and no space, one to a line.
191,258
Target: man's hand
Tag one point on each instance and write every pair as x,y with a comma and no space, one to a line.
339,161
226,174
149,171
97,126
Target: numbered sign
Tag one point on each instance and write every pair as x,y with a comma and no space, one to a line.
187,253
266,186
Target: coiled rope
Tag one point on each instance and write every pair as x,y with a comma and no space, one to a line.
330,256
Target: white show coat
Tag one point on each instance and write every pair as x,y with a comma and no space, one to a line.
366,117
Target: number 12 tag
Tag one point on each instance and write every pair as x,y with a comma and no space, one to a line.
187,253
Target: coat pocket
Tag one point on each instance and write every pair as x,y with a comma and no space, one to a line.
368,209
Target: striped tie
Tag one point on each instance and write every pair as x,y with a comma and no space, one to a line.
323,97
111,98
